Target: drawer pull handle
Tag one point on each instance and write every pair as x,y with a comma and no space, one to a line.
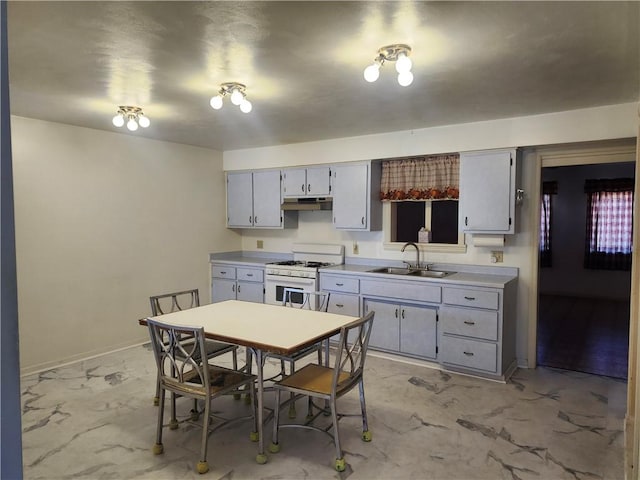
469,298
468,354
469,323
339,305
223,273
339,284
249,274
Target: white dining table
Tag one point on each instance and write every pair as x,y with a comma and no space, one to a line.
263,329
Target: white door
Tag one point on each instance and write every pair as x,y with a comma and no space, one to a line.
267,199
485,192
239,199
385,332
418,331
350,197
294,182
318,181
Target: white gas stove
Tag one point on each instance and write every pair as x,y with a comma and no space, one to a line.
302,271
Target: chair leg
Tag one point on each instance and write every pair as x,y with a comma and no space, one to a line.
254,435
158,447
156,399
340,463
275,447
292,405
247,368
366,434
203,466
173,423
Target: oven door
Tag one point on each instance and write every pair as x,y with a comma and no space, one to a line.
274,286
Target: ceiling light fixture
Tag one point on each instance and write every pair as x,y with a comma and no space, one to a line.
237,93
399,53
134,117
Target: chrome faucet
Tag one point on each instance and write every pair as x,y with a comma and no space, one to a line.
417,252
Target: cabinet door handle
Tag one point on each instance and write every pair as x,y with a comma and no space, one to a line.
469,323
339,284
302,187
339,305
466,221
309,188
250,222
402,315
362,220
469,298
396,313
238,288
233,288
255,220
468,354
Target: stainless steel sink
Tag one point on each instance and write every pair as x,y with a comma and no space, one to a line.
430,273
393,270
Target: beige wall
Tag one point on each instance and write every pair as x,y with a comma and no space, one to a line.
103,220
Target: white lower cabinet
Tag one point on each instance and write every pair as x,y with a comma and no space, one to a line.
407,329
236,283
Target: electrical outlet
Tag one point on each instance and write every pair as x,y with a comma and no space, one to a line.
260,244
356,249
496,256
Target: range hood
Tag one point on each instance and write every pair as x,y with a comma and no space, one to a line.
306,204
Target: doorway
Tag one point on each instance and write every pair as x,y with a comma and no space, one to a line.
583,313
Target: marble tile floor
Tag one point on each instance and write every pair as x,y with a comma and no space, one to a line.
95,419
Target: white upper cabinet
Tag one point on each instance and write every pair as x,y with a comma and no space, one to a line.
254,200
307,182
356,197
487,191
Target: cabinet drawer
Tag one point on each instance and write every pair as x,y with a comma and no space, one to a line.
223,271
416,291
470,297
339,283
250,274
469,353
344,304
470,322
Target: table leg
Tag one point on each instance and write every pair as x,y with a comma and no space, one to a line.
262,457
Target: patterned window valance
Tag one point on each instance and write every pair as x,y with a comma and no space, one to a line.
421,178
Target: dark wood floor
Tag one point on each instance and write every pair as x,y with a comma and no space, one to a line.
584,334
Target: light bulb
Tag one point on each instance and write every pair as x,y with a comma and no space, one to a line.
143,121
372,72
246,106
118,120
132,125
216,102
405,78
403,64
237,97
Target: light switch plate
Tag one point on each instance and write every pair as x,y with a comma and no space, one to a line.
259,244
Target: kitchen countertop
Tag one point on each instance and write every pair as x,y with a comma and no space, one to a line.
250,259
496,277
472,275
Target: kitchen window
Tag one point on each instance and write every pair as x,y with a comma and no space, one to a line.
609,233
438,218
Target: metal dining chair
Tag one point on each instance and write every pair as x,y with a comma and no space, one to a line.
176,301
330,383
297,298
178,352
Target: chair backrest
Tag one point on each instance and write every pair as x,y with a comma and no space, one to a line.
295,297
172,302
178,351
351,352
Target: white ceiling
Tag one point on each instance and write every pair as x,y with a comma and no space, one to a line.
302,62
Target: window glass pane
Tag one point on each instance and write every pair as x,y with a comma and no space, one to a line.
409,219
444,221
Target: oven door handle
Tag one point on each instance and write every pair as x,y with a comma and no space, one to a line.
290,280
